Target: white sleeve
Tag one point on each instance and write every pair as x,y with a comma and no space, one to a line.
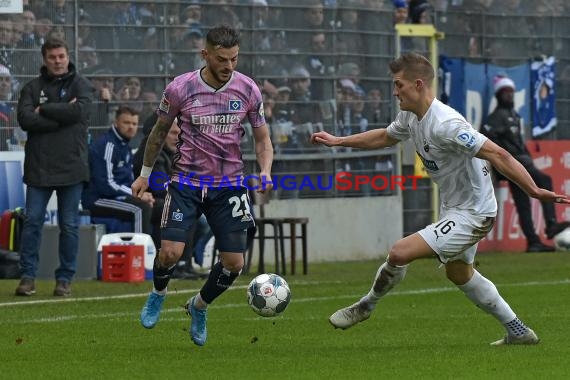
459,136
399,128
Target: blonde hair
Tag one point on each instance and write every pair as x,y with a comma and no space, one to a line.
413,66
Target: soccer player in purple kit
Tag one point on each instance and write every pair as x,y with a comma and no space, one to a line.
210,104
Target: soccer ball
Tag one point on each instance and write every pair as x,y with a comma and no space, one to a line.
268,294
562,240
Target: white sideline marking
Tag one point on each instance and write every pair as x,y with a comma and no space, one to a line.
186,291
136,295
223,306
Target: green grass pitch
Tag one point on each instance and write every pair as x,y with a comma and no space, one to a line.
424,329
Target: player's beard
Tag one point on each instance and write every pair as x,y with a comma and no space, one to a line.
219,78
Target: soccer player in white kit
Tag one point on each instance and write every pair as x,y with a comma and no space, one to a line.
211,104
455,156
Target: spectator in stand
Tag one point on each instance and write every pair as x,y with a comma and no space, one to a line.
42,28
401,16
99,16
420,12
358,119
189,51
175,31
18,26
359,122
320,66
310,16
400,11
349,22
63,12
282,124
27,59
374,17
306,112
351,70
262,35
7,114
149,101
88,58
29,39
127,32
57,31
85,35
192,14
377,114
345,97
511,18
468,21
221,12
350,119
7,57
59,11
148,15
126,20
6,86
110,160
306,117
25,52
129,90
105,97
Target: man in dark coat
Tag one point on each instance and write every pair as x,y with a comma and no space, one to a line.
52,109
504,127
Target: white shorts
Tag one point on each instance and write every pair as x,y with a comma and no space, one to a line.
456,235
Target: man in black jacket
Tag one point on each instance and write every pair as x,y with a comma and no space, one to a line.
504,127
53,110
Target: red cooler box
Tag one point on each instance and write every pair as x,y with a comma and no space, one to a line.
123,263
128,238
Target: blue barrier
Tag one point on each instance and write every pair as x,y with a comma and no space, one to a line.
11,185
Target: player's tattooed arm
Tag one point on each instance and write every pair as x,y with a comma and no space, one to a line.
264,154
156,139
263,148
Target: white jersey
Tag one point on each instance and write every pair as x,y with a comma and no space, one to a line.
447,145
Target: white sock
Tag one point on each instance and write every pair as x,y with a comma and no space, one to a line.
485,295
199,303
161,292
387,277
516,327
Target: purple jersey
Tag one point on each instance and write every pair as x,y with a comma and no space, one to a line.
211,123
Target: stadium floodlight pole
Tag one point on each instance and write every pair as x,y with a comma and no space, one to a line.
433,35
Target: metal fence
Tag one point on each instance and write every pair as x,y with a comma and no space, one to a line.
321,64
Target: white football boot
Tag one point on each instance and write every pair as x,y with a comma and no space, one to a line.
349,316
527,338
